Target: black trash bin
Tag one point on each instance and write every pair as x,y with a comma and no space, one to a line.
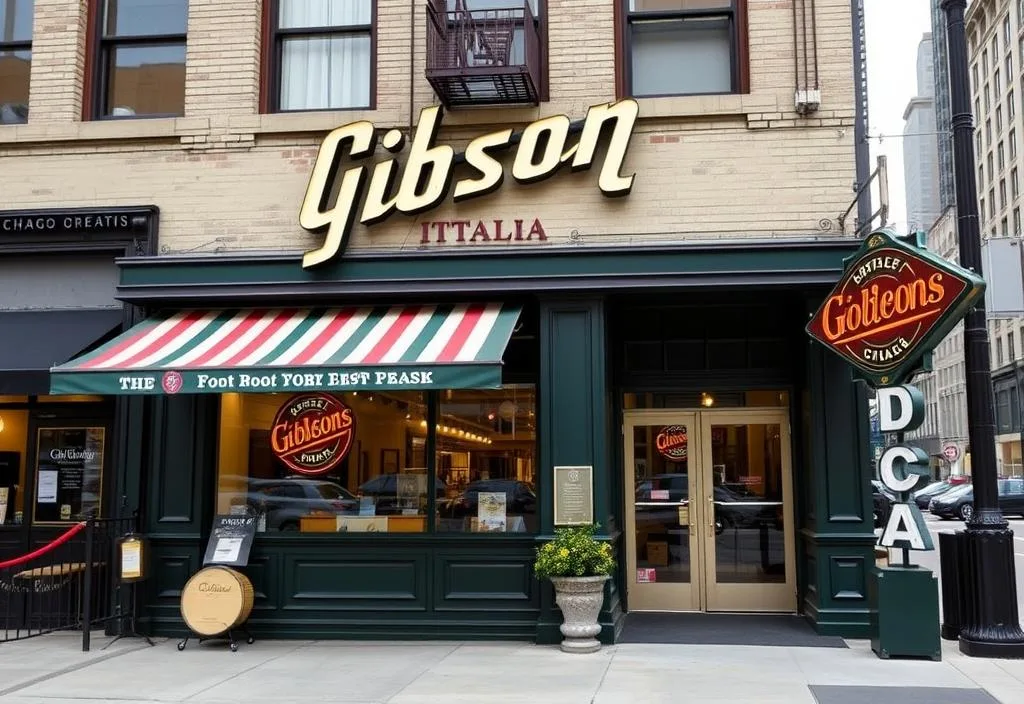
951,562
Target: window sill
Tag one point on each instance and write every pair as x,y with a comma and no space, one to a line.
150,128
297,122
708,105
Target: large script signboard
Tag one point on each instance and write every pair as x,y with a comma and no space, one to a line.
893,304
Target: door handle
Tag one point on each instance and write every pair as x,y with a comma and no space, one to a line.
711,516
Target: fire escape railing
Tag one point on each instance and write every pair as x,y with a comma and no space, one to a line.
476,57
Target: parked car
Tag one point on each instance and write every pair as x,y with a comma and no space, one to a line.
882,501
384,490
958,502
961,505
285,501
924,496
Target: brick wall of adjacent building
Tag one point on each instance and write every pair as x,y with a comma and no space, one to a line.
227,177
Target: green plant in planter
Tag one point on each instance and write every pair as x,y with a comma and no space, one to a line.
574,552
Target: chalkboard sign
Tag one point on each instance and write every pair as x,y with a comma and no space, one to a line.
230,541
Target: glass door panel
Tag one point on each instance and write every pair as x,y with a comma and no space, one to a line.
747,473
662,461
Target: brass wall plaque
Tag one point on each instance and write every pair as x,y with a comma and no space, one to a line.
574,496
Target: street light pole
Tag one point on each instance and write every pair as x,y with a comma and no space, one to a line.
990,626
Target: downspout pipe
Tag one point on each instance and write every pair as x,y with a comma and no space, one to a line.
862,149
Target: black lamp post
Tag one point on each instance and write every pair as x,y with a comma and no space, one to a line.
990,624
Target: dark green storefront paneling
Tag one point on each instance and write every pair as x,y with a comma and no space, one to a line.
470,586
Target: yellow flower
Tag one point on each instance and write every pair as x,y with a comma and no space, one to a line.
564,552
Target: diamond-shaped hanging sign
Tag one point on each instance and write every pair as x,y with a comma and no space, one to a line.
894,303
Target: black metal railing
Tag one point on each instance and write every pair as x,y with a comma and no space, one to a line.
41,592
72,583
480,57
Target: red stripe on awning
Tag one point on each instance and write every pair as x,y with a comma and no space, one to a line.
170,334
325,335
461,333
385,343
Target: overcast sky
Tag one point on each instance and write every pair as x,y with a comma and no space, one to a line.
894,29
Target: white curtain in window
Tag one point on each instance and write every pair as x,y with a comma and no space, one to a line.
327,71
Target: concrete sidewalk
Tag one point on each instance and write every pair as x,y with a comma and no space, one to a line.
52,670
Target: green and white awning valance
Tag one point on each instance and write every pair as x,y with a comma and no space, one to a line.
326,349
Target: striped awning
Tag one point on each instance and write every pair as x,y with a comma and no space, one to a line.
324,349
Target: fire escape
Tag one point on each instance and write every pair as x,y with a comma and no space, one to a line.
483,57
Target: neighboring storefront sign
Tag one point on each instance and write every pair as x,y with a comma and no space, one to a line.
312,433
574,496
893,304
369,195
901,409
56,222
671,443
69,469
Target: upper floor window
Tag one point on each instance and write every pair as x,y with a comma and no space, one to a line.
974,77
1011,107
15,59
1006,31
684,47
997,84
984,62
1013,144
1009,68
320,54
141,67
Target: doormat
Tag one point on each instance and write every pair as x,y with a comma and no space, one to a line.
724,629
834,694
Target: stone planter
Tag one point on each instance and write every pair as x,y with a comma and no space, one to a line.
580,599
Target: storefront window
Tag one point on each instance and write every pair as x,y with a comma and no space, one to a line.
325,463
69,473
486,456
357,462
13,440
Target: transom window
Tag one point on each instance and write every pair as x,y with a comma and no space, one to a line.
142,58
321,55
682,47
15,59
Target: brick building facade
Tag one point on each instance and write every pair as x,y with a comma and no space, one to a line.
679,305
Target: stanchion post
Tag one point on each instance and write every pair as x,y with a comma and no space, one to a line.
90,529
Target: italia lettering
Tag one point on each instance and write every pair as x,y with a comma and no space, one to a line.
857,315
478,231
428,176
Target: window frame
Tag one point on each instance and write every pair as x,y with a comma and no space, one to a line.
271,57
97,71
739,46
21,45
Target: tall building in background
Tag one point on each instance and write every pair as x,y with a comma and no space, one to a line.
996,58
943,112
920,149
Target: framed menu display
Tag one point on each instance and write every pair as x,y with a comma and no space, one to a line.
69,473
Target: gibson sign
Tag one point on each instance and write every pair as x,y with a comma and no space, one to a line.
312,433
338,189
671,442
894,303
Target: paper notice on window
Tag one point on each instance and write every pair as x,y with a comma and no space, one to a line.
4,493
491,510
47,493
227,549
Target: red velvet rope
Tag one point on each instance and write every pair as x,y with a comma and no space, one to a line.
71,533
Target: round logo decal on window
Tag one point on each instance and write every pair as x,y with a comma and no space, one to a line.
312,433
671,442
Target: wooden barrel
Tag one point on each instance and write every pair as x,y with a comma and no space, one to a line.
215,600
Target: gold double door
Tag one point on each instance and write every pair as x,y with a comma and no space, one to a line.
709,511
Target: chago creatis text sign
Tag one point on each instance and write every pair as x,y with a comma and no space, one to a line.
343,191
893,304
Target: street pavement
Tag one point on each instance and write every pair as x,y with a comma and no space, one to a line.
930,560
53,670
